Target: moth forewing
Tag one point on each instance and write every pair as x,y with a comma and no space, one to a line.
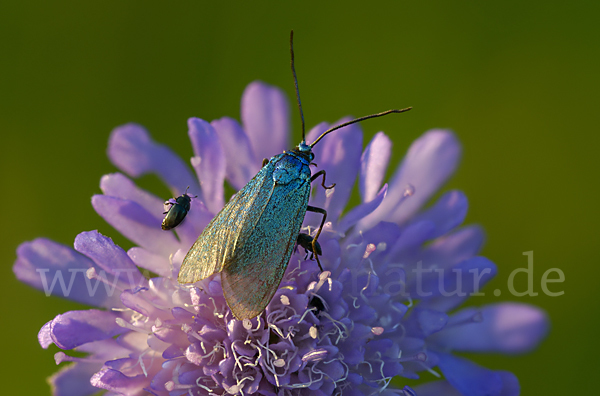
253,275
252,239
217,242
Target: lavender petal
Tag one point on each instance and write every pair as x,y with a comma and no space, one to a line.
116,381
108,256
120,186
360,211
430,161
151,261
242,164
509,328
75,328
135,223
59,271
469,378
209,162
265,116
339,155
437,388
447,213
510,384
373,164
74,380
132,150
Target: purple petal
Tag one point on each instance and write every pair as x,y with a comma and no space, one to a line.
460,245
120,186
447,213
265,116
209,162
506,328
460,280
104,349
334,370
135,223
411,239
510,384
75,328
316,131
242,164
44,335
153,262
114,380
74,380
132,150
431,321
108,256
429,162
373,164
60,271
469,378
437,388
360,211
339,155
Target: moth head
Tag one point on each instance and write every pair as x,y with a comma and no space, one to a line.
306,150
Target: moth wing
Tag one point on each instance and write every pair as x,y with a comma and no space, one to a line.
251,277
212,248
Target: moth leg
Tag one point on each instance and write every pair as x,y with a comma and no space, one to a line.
319,173
324,213
265,162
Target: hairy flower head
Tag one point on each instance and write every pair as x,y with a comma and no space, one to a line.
386,306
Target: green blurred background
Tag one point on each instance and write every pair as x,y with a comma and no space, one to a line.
517,81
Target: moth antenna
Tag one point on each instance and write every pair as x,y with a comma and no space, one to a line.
296,83
354,121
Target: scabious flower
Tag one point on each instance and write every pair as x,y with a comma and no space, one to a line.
386,305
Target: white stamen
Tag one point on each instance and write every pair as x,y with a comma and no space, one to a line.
371,265
216,311
206,388
365,288
324,275
121,322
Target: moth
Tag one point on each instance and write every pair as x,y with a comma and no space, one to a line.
250,241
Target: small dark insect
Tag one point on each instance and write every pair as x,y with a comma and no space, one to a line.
305,241
180,206
250,241
316,303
